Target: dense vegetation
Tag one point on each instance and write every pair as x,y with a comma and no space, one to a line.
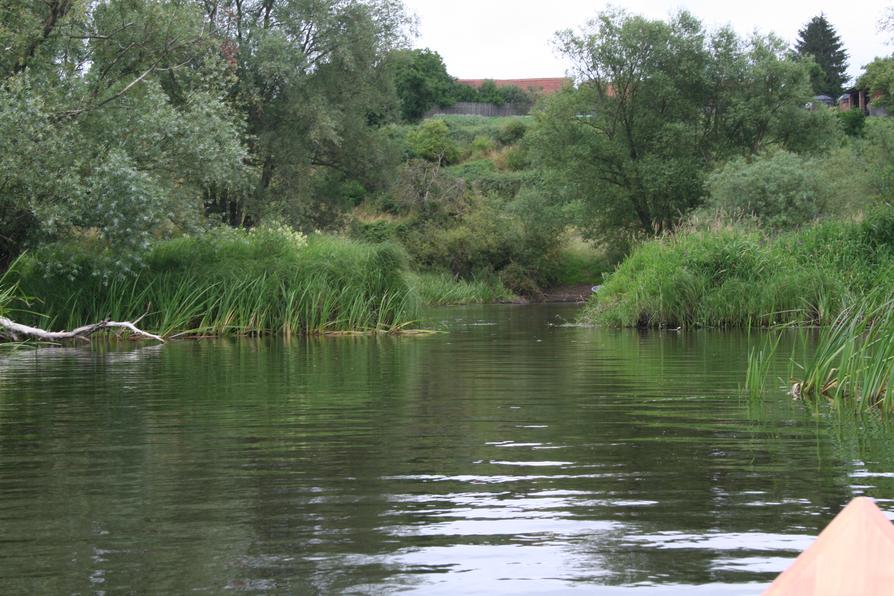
737,275
422,83
742,207
267,280
133,130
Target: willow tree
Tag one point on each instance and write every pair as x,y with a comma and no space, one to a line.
656,105
313,84
112,122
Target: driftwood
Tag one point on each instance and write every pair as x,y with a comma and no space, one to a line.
16,331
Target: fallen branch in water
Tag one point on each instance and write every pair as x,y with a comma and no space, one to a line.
17,331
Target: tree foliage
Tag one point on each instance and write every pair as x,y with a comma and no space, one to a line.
113,120
313,83
656,106
819,41
125,118
878,78
422,82
489,92
780,189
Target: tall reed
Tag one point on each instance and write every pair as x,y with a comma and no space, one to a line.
853,364
759,361
234,282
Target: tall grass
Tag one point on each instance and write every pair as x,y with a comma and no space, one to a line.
737,276
234,282
758,370
11,297
853,364
443,288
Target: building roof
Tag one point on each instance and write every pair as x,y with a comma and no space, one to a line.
544,85
853,555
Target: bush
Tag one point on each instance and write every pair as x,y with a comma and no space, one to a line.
517,158
521,238
431,141
781,189
877,152
852,122
482,145
512,132
426,189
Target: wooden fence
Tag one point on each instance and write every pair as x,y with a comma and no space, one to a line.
471,108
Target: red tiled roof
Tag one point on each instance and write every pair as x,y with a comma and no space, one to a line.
546,85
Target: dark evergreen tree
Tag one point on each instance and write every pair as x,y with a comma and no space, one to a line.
819,40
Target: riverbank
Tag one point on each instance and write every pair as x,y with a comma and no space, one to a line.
224,282
738,276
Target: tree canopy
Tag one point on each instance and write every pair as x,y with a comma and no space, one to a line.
124,118
657,104
422,82
819,40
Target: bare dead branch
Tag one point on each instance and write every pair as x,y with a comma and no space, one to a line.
17,330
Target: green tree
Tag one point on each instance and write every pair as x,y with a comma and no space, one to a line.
878,78
313,83
819,40
422,82
113,123
431,141
657,105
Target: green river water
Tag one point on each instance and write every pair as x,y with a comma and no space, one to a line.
509,455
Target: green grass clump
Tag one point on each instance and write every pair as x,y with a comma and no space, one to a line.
736,276
758,369
442,288
853,364
231,282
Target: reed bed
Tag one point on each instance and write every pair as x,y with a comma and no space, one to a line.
853,364
848,363
235,283
758,371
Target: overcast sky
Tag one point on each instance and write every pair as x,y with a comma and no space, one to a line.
503,39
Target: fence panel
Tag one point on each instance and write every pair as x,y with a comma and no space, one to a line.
470,108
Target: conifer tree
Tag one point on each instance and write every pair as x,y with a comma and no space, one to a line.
819,40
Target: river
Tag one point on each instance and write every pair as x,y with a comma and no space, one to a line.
510,454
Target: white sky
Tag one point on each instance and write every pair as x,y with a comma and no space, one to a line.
502,39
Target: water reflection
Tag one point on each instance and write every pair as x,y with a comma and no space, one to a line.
507,456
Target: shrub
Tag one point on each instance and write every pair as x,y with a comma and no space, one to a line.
517,158
426,189
852,122
483,144
511,132
780,189
523,236
431,141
